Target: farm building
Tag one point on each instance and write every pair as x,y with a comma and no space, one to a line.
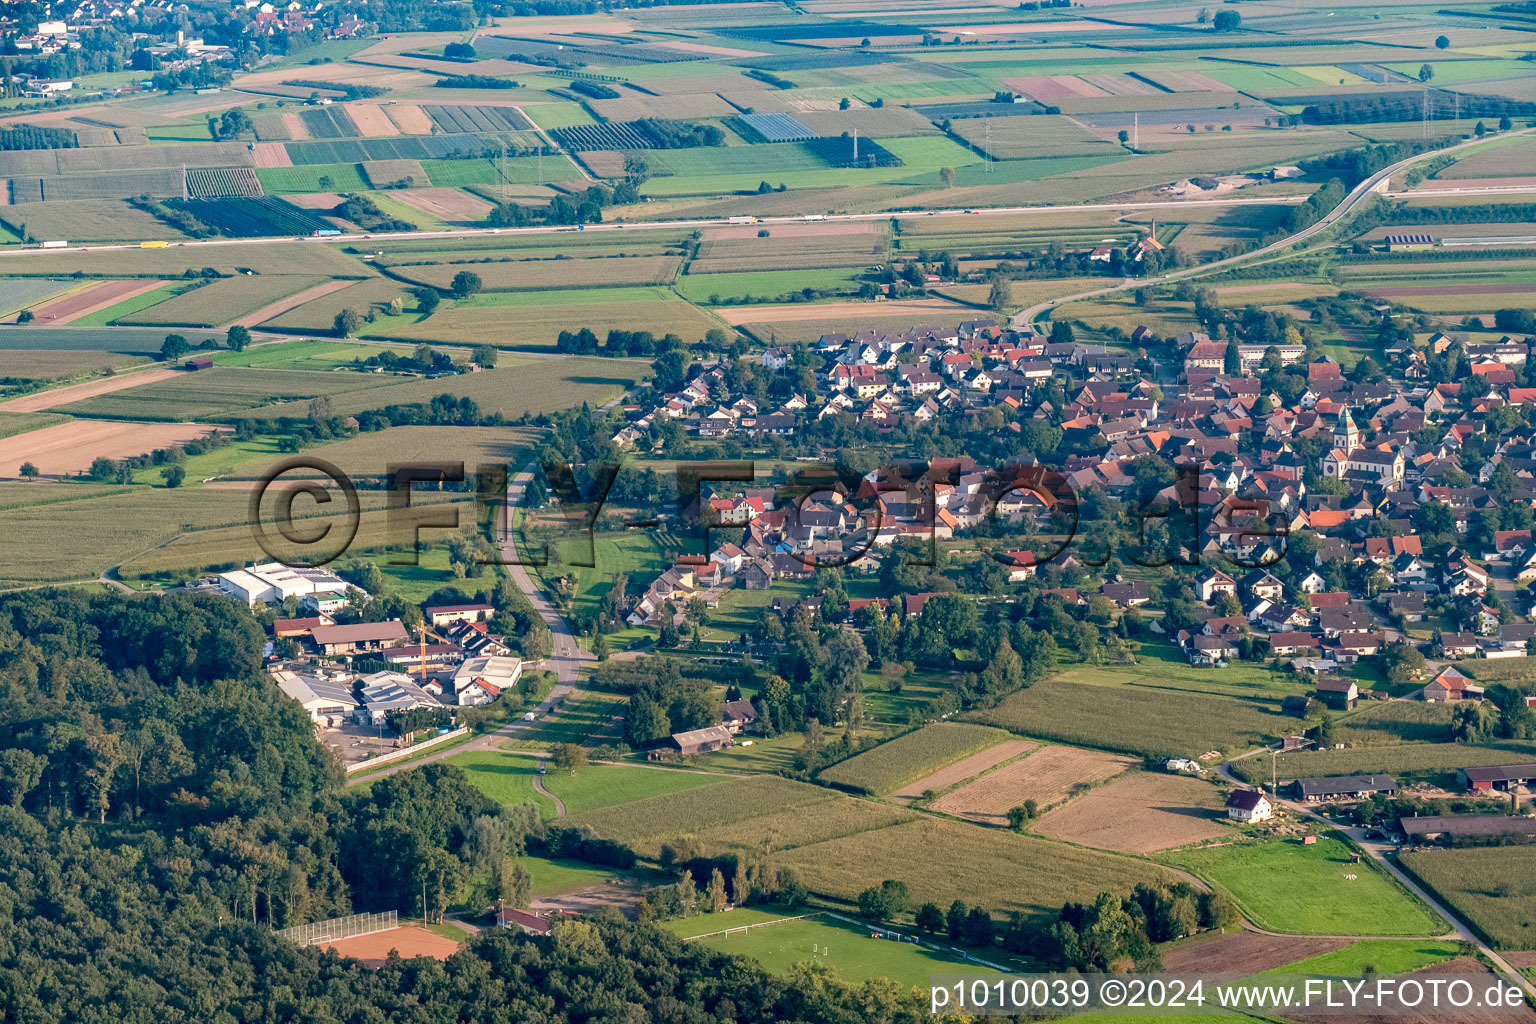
1414,242
200,363
527,920
1498,776
1249,805
697,741
1344,786
1338,692
1432,827
738,716
1451,685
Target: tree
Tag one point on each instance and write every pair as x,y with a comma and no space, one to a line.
715,893
1017,816
346,323
465,284
485,355
174,347
1442,42
930,918
1426,72
29,471
512,885
173,475
1124,136
954,920
1226,21
1480,129
325,183
569,756
1505,124
1001,296
978,923
427,300
844,103
237,338
947,177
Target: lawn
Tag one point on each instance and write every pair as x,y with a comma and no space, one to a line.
892,765
606,785
578,719
306,178
505,777
772,285
553,877
1285,886
1494,888
856,958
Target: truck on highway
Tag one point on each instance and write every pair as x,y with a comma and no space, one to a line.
56,245
152,245
742,220
815,216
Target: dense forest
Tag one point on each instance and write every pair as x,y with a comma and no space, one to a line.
163,808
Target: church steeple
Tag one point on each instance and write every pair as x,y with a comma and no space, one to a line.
1345,434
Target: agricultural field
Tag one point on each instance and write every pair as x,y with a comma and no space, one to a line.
69,448
534,320
1323,891
1048,775
899,761
221,302
1141,812
220,392
1493,888
649,822
544,275
982,866
1137,720
505,777
958,772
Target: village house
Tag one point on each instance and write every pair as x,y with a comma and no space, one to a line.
1451,685
1249,806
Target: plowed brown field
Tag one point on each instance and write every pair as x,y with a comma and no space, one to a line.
1140,813
962,770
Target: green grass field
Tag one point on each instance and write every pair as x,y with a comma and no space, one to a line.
1382,956
764,284
306,178
846,948
505,777
1284,886
126,309
608,785
1494,888
1398,759
892,765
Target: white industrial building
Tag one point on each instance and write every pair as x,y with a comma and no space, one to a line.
272,582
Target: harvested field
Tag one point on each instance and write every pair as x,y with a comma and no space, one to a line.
807,311
371,120
270,154
90,300
1244,952
69,448
79,392
45,364
374,949
1140,813
448,204
410,119
295,125
959,772
1047,776
281,306
383,173
1051,89
1395,1012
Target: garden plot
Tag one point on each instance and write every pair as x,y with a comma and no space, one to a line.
1142,812
1047,776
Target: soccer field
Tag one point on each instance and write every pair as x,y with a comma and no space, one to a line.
846,948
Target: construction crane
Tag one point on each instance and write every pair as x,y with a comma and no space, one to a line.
426,631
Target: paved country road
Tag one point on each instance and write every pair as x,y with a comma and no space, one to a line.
1357,195
565,660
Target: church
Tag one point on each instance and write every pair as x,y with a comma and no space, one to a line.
1349,462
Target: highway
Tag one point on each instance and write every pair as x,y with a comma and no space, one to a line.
1357,195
